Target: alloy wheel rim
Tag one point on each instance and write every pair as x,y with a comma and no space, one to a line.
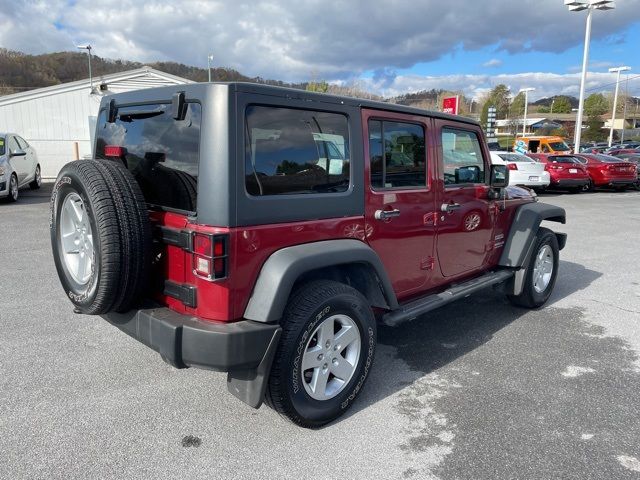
76,239
14,188
543,269
330,357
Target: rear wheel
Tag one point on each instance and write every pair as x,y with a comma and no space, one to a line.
589,187
541,271
325,354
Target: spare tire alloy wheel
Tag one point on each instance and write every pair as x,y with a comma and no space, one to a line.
76,237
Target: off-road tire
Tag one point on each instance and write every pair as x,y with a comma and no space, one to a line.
120,230
307,308
530,298
37,179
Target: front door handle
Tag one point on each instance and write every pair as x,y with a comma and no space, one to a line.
385,214
450,207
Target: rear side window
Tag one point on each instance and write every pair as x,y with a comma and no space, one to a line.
397,155
161,152
292,151
462,156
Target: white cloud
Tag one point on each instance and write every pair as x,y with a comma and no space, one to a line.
290,39
546,84
494,62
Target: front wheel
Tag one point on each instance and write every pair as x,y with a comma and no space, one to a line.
37,179
325,354
541,273
13,189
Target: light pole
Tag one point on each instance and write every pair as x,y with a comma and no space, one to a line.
526,103
88,49
615,99
578,6
209,60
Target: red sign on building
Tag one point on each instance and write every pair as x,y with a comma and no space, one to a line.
450,105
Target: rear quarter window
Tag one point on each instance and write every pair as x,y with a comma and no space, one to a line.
162,153
293,151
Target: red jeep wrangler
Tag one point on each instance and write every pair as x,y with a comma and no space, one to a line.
264,232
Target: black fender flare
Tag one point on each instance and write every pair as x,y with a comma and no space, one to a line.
524,228
281,270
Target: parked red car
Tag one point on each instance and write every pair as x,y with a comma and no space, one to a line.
608,171
566,171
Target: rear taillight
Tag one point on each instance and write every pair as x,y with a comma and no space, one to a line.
512,166
210,255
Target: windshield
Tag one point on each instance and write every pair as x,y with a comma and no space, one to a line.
559,146
1,145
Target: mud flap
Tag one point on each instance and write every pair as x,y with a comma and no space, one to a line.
251,385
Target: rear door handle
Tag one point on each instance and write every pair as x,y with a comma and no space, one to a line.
450,207
385,214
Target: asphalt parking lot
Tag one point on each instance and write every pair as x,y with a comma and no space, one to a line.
476,390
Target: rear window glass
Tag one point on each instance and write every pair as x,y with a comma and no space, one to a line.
161,152
559,146
564,159
292,151
514,157
608,159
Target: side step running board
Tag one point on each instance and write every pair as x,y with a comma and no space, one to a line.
415,308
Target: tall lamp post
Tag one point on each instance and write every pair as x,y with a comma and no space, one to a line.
526,103
615,99
209,60
88,49
590,6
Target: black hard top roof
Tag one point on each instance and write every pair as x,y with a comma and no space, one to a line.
277,91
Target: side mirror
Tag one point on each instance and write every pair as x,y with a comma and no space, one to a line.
17,153
499,176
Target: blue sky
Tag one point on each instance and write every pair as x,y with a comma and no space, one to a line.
386,46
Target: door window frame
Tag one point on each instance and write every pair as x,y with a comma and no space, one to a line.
487,164
381,116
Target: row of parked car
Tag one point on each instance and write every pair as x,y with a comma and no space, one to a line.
572,172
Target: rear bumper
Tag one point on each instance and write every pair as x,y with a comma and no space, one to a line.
570,182
618,182
185,341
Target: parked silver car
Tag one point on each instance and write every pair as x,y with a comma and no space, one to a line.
18,166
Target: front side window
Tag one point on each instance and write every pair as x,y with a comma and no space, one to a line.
161,152
22,142
462,157
291,151
13,145
397,155
2,146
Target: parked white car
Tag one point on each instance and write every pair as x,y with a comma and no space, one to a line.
19,166
522,170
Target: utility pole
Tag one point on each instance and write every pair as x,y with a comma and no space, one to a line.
526,103
88,49
209,60
615,99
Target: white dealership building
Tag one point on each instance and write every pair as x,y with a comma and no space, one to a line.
58,121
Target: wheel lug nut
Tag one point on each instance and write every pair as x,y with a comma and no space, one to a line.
335,361
324,367
328,344
336,347
320,357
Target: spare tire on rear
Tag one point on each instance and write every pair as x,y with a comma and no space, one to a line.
100,236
